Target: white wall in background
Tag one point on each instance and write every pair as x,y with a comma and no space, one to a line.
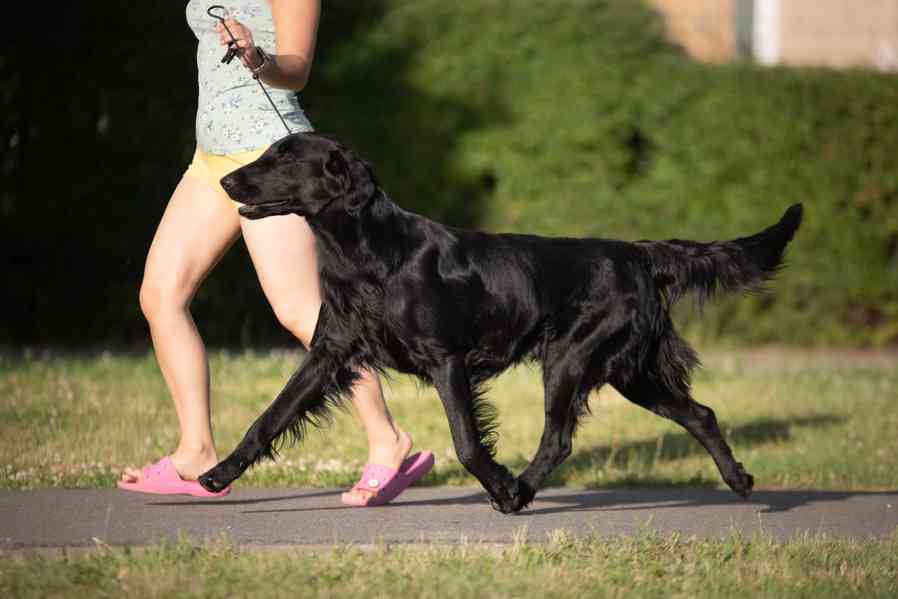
767,31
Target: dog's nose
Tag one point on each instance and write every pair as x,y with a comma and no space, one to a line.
227,182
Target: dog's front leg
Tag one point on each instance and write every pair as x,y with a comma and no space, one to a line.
320,379
454,387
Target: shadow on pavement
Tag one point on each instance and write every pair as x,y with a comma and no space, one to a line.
612,500
207,502
475,498
636,499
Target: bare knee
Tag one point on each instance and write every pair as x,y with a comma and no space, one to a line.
160,299
300,321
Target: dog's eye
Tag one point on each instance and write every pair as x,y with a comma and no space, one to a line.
284,157
265,162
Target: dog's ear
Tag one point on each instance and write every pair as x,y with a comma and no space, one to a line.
363,188
336,179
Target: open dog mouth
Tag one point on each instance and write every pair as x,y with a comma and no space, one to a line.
256,211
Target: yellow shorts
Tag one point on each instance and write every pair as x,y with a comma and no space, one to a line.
212,167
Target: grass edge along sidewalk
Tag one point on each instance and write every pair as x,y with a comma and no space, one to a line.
645,565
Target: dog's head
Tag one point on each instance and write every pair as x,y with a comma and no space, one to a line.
304,174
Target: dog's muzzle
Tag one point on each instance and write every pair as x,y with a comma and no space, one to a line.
257,211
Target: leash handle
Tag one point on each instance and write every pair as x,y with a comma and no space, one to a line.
232,52
232,45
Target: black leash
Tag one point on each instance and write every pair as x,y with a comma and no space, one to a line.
232,52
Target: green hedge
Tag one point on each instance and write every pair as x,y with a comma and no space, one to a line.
586,122
572,117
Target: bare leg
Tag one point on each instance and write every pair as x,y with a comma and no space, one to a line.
198,227
283,252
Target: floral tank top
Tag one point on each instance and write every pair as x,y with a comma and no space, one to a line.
233,114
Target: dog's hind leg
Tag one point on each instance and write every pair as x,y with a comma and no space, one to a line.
564,398
669,397
573,366
465,412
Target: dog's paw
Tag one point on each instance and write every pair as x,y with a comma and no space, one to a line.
524,495
220,476
740,481
514,499
505,506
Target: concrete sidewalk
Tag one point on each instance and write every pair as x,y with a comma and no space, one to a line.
82,518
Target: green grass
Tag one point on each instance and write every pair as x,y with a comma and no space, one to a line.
796,420
646,566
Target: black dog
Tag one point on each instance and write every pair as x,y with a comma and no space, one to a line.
457,307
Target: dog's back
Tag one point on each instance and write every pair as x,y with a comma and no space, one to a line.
499,297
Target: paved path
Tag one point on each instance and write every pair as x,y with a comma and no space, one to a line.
73,518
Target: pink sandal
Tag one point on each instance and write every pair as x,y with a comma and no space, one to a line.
387,483
161,478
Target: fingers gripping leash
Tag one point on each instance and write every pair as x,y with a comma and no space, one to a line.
222,18
221,14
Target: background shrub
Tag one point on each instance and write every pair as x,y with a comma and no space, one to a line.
573,117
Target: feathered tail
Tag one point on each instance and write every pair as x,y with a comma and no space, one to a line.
681,266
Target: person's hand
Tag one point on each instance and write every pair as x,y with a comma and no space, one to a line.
246,48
